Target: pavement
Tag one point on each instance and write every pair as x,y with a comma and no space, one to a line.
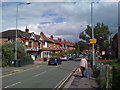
77,81
8,70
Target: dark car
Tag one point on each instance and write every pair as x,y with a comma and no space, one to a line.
64,58
54,61
72,57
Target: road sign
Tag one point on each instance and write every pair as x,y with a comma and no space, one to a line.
93,41
103,52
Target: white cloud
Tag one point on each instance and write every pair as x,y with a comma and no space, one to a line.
60,0
75,15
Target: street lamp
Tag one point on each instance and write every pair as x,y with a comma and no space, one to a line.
16,29
92,23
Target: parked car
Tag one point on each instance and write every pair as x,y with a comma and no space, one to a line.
80,55
54,61
64,58
71,57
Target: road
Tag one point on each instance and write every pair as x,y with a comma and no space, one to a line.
46,76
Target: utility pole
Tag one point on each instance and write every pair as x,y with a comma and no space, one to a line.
16,32
92,23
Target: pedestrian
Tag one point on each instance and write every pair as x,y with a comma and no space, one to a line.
83,65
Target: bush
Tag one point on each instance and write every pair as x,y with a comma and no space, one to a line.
96,73
90,60
8,52
116,76
27,59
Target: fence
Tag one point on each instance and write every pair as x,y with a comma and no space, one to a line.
104,75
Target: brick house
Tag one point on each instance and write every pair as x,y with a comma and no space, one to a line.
38,45
115,44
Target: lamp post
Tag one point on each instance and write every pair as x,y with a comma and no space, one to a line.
16,29
92,23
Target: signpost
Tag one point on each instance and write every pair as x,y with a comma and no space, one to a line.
93,41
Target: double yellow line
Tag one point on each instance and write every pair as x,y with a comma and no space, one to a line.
60,84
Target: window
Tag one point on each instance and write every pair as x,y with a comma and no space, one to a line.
49,45
26,43
45,44
5,40
61,46
30,44
54,45
64,45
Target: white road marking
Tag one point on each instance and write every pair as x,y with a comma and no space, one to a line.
39,74
12,85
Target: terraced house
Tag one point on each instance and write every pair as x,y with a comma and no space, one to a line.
39,46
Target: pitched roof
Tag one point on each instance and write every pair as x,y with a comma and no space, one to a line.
12,34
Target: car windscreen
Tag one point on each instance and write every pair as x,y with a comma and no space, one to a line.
52,59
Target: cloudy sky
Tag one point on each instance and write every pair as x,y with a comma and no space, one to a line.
59,18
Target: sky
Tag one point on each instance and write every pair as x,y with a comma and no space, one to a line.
60,18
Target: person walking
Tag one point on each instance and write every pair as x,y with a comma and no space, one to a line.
83,65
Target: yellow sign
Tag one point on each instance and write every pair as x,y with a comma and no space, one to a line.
93,41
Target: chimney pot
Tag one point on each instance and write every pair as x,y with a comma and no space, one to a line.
41,33
27,30
51,36
59,39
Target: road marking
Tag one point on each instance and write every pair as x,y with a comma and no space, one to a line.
39,74
12,85
64,79
18,72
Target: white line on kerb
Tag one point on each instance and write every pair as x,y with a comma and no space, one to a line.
12,85
39,74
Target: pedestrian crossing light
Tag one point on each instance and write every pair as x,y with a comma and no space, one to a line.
93,41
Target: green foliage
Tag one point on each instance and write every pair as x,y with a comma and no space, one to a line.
53,54
102,83
27,59
101,33
116,76
80,46
8,51
72,52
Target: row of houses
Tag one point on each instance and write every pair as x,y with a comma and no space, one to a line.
39,46
114,45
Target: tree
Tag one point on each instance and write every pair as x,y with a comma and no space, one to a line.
80,46
8,52
101,33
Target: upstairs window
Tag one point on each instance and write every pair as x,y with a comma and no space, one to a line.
49,45
54,45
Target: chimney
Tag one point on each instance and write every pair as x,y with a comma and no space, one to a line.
41,33
64,41
51,37
59,39
27,30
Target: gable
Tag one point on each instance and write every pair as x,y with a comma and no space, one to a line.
33,36
41,38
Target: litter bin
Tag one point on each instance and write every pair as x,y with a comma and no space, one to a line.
11,62
44,59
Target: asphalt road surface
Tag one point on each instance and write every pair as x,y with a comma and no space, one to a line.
46,76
